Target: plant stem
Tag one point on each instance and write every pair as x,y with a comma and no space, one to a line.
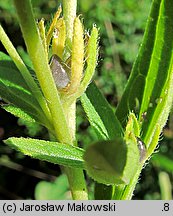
70,113
75,176
62,126
125,192
62,121
129,189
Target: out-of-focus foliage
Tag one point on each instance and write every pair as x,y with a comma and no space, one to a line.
121,23
57,190
8,13
127,18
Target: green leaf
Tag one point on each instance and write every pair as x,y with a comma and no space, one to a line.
106,160
135,86
152,99
100,114
54,152
161,71
4,57
25,56
149,92
112,162
14,90
33,128
115,162
18,112
57,190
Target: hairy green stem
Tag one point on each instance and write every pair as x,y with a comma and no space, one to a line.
75,176
125,192
70,113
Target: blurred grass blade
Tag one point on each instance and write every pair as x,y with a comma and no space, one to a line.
162,162
165,186
100,114
53,152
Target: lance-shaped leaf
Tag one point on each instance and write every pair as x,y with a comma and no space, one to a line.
15,91
18,112
151,99
161,71
53,152
134,91
149,92
100,114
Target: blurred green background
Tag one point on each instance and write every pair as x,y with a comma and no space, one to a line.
121,24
